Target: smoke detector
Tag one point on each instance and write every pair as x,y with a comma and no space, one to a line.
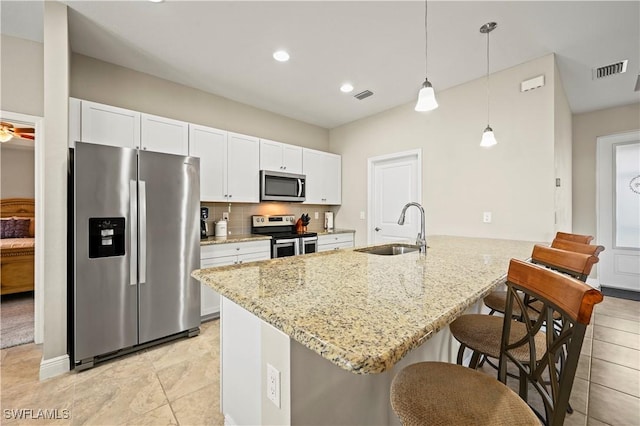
609,70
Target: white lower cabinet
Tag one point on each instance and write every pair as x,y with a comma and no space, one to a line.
335,241
223,255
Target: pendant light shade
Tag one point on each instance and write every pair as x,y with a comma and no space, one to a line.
426,95
426,98
488,138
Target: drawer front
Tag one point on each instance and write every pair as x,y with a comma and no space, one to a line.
234,249
335,239
254,257
335,246
218,261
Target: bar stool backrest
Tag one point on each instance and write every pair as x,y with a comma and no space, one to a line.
563,296
567,245
576,238
575,264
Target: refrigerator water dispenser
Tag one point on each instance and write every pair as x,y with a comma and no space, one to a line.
106,237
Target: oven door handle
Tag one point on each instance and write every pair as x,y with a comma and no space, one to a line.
285,242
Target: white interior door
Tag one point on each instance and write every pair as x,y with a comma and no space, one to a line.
394,180
618,164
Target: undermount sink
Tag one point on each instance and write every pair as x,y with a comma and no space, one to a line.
389,249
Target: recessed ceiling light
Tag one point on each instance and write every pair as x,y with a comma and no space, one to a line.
156,1
346,88
281,56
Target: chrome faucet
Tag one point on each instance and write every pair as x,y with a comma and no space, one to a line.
421,239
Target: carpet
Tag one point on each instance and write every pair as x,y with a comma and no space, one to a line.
16,319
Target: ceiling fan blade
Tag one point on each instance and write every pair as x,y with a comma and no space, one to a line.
25,136
23,130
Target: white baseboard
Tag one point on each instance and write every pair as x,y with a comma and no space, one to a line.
54,367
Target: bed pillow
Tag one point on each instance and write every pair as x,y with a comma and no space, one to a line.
21,228
7,226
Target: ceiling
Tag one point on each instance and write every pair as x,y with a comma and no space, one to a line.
225,47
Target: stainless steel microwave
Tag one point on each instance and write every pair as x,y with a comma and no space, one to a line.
280,186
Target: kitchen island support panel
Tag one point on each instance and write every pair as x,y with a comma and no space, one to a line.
312,389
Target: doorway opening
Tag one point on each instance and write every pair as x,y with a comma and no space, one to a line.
21,211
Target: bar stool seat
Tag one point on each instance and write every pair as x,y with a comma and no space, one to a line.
483,333
437,393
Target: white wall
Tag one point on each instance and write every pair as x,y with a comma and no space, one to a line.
16,172
586,129
111,84
21,79
514,180
563,161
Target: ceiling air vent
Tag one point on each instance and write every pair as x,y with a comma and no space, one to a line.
609,70
363,95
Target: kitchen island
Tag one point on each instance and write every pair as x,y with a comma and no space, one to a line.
333,328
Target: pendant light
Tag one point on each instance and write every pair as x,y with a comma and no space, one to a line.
426,96
488,138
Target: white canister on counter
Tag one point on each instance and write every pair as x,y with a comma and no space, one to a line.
221,228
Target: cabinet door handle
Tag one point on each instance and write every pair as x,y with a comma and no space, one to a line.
240,261
230,195
377,229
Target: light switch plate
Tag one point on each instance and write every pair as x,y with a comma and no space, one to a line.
486,217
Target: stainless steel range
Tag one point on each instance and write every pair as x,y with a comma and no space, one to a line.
285,241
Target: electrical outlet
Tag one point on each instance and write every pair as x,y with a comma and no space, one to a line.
317,215
225,215
486,217
273,385
362,216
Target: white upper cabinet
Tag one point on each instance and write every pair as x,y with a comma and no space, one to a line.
324,177
162,134
243,168
210,145
108,125
280,157
229,164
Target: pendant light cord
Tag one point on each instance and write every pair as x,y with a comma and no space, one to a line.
488,91
425,39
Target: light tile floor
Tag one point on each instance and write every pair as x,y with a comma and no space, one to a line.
178,383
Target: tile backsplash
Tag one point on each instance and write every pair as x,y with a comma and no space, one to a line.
240,214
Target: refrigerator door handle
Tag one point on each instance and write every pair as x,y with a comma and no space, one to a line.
133,230
143,231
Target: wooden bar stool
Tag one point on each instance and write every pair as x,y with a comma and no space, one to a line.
577,263
567,245
436,393
576,238
482,333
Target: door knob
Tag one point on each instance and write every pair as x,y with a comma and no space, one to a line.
377,229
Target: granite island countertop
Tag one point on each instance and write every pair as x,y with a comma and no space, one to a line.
364,312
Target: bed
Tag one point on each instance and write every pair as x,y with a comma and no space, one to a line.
17,254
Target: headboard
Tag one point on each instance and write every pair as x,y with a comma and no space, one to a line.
22,207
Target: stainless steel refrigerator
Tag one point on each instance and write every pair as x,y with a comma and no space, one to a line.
135,239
